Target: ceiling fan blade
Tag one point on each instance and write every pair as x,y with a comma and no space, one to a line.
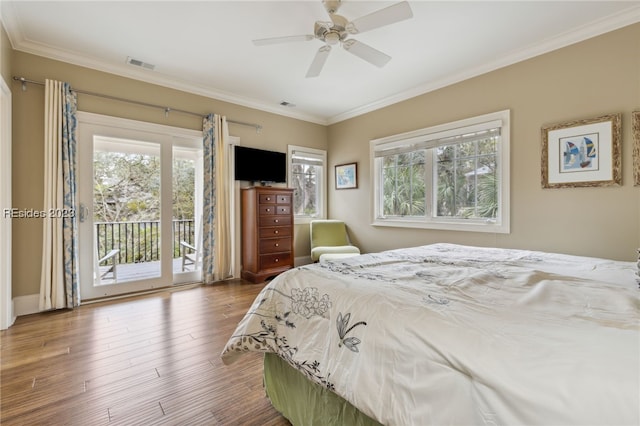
389,15
366,52
318,61
277,40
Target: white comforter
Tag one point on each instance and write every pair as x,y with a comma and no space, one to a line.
447,334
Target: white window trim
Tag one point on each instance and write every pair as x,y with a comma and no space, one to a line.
500,225
299,219
7,316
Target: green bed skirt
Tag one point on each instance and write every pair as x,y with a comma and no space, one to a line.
304,402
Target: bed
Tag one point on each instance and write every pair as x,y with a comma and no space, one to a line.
450,334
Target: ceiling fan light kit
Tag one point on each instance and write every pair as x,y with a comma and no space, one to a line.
340,28
332,38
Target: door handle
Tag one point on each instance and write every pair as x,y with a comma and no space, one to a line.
84,212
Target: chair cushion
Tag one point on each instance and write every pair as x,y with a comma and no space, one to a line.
316,252
328,233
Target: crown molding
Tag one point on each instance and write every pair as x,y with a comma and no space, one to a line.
155,77
610,23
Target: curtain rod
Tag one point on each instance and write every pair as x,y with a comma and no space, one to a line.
166,110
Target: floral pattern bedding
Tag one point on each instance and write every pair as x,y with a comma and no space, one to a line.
449,334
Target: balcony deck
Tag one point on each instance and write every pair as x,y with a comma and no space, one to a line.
141,271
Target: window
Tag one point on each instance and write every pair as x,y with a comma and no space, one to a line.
453,176
307,176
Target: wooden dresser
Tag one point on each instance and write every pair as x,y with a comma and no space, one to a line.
267,232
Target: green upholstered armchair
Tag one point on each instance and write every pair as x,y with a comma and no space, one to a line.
330,237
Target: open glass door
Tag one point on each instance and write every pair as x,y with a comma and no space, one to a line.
140,192
186,219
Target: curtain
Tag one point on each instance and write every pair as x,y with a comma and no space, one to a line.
216,239
59,273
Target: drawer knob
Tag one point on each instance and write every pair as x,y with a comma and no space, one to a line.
276,221
275,232
277,260
268,210
277,245
268,198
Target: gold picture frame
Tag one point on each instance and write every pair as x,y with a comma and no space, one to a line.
582,153
636,147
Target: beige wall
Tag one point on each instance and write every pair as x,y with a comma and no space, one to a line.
28,129
595,77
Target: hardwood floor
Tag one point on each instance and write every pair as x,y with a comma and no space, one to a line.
152,359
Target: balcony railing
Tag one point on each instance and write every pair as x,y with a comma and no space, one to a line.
140,241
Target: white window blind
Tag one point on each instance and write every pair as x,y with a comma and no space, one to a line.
449,137
306,157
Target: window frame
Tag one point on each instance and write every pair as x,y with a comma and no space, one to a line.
427,138
322,208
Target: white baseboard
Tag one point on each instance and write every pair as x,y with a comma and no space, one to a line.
25,305
10,318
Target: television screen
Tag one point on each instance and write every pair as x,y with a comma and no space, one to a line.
259,165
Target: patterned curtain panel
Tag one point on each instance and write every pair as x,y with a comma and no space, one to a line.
59,275
216,239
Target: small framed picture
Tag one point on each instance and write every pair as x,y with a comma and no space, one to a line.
583,153
346,176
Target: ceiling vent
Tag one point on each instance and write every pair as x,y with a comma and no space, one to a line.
139,63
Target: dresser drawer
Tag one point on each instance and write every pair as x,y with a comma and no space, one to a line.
283,199
279,231
267,220
277,260
275,245
267,209
283,209
273,209
268,198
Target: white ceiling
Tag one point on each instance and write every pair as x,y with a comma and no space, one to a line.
206,47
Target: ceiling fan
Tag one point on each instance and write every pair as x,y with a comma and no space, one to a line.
340,28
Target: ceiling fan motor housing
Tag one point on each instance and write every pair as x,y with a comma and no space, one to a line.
332,32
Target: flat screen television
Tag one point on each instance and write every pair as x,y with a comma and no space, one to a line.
259,165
